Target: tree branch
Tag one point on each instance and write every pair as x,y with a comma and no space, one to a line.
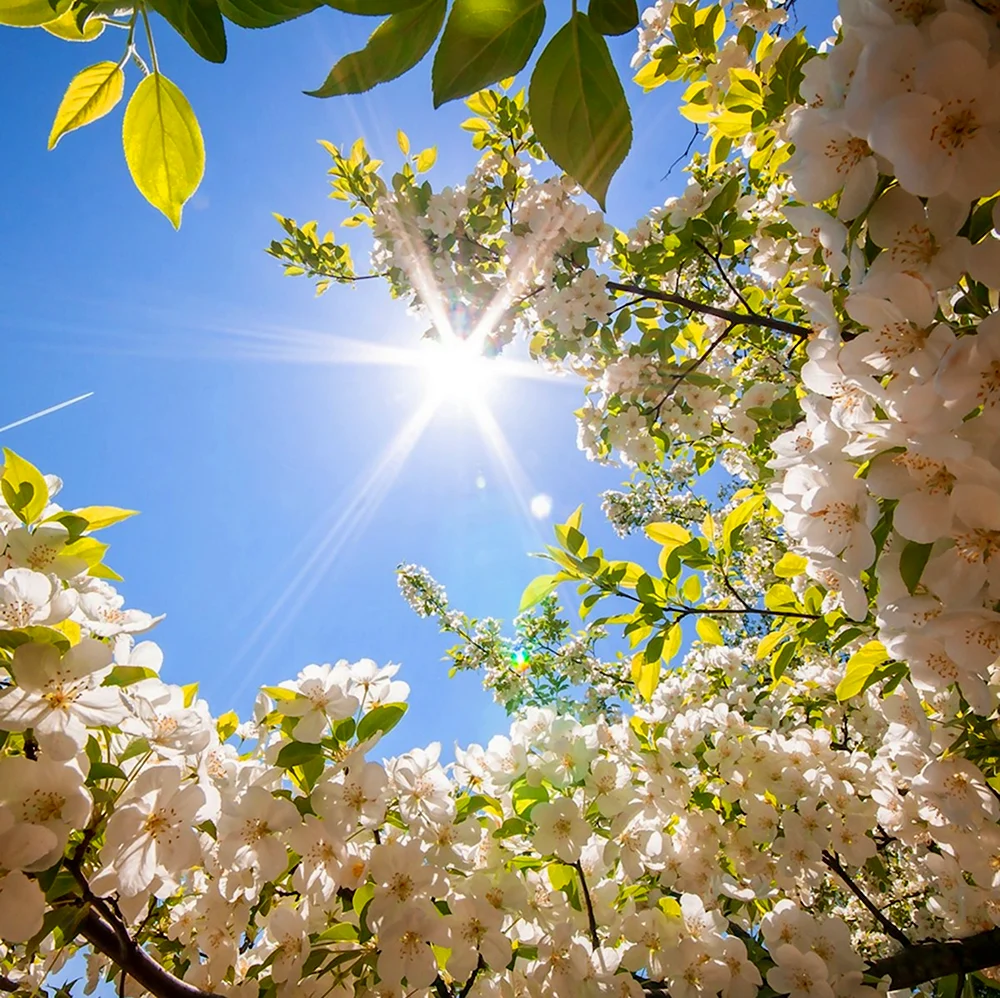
694,365
134,961
591,921
921,962
737,318
887,926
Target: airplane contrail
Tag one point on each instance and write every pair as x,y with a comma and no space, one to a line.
44,412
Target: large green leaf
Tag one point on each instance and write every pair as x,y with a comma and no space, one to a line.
484,41
578,107
199,23
859,667
24,488
396,45
265,13
373,8
163,145
613,17
91,94
30,13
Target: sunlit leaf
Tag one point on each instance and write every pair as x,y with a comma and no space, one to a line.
396,45
483,41
579,110
91,94
163,145
859,667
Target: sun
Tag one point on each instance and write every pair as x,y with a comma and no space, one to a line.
455,370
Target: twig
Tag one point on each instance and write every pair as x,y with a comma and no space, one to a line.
684,155
724,274
594,940
737,318
467,987
890,930
678,379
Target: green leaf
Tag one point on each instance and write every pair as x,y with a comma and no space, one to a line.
23,486
790,565
99,517
380,720
524,797
396,45
668,534
105,771
511,827
613,17
646,676
91,94
190,691
296,753
126,675
265,13
30,13
372,8
484,41
67,26
227,724
362,896
561,876
536,590
859,667
199,23
579,110
737,520
780,597
912,563
708,631
341,932
163,145
426,159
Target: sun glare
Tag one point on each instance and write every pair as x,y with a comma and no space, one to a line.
454,370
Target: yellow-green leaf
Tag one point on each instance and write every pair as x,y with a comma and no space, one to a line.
24,488
691,590
91,94
30,13
673,643
708,631
163,145
790,565
537,590
769,642
426,159
190,691
227,724
859,667
671,534
99,517
779,597
645,675
404,142
66,27
738,518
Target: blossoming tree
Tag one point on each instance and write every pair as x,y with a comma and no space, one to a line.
807,802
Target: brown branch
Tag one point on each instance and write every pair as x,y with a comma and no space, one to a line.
887,926
929,961
691,368
737,318
591,921
134,961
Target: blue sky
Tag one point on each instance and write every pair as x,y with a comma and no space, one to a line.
241,460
